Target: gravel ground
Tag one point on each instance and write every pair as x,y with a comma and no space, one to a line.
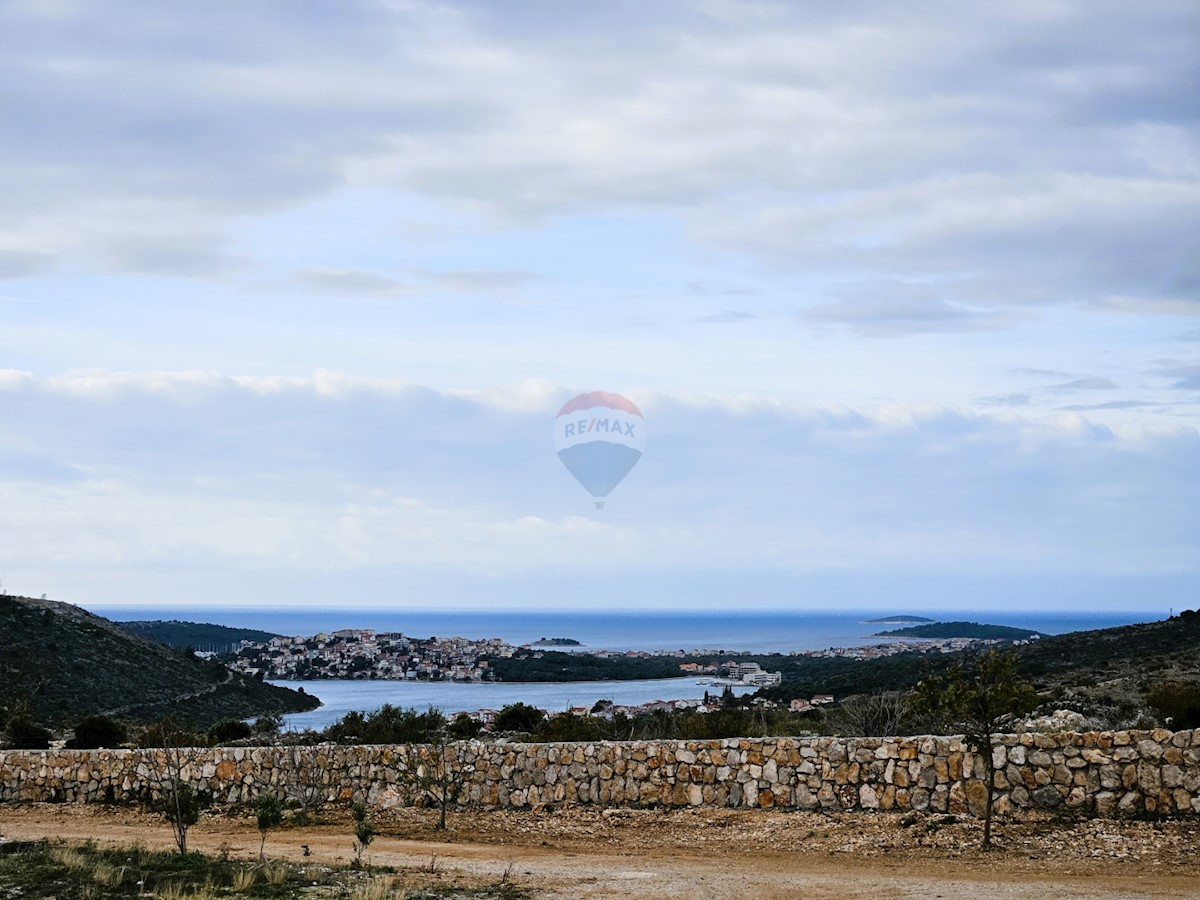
590,853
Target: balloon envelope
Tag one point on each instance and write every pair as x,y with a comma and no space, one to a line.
599,438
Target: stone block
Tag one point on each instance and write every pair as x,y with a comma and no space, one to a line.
1150,750
867,797
1149,777
1047,798
976,792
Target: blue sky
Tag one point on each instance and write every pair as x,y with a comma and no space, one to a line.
909,295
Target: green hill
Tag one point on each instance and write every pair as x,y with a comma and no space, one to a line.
971,630
68,663
197,635
1111,663
1130,655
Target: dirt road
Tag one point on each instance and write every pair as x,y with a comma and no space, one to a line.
698,854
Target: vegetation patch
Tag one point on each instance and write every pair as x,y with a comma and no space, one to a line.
45,869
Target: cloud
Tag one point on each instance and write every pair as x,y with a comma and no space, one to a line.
903,310
22,265
1186,375
1148,306
1112,404
353,282
1016,157
727,317
1018,399
176,471
477,280
340,282
1092,383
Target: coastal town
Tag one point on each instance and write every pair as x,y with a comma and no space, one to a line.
364,654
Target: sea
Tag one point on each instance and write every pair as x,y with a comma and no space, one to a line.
726,632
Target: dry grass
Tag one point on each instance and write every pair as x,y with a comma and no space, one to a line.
70,858
108,875
243,880
176,891
276,873
376,889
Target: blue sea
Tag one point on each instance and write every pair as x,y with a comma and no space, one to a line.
746,631
750,631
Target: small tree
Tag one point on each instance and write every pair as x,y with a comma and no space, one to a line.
435,774
177,799
268,813
874,715
364,830
181,807
979,702
307,785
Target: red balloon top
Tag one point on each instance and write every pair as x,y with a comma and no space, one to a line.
600,398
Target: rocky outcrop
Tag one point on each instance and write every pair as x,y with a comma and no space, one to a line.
1092,773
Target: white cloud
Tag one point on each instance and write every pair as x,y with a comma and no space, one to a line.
189,470
454,215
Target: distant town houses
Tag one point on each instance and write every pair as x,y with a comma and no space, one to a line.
733,672
912,645
354,653
362,653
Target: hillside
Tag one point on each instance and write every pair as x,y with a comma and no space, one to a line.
197,635
1108,664
973,630
68,664
1130,655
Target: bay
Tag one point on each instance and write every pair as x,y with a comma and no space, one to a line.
725,631
341,697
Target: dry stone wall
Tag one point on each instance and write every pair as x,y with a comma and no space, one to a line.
1094,773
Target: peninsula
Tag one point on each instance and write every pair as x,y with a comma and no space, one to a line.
971,630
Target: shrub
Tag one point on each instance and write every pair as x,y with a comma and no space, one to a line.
26,734
228,730
98,731
166,732
518,717
464,727
1177,703
387,725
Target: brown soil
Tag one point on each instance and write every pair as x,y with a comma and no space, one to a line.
589,853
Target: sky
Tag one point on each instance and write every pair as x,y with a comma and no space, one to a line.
908,295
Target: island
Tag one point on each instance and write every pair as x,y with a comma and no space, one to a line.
972,630
556,642
900,620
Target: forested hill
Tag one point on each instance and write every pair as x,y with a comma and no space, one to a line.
1129,659
972,630
197,635
68,663
1134,653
